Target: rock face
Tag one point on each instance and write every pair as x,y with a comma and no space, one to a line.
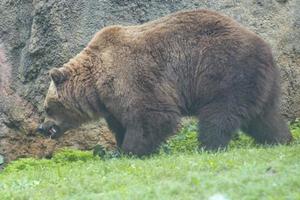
36,35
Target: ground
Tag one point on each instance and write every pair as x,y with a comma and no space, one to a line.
244,171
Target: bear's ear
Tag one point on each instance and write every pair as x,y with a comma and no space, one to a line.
57,76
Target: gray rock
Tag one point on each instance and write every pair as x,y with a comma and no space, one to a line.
37,35
1,159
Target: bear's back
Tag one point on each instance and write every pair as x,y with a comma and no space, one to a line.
184,23
198,54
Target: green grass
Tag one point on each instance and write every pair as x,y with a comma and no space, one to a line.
179,171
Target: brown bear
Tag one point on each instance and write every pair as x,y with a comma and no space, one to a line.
142,79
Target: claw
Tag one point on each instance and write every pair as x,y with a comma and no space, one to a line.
52,131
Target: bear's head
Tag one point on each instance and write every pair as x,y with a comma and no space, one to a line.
67,103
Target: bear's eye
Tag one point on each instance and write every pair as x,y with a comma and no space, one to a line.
47,110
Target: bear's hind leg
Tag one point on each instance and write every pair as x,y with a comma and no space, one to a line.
217,123
269,128
146,132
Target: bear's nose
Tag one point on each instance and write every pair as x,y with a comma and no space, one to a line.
40,128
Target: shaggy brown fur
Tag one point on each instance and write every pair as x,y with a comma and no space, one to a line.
144,78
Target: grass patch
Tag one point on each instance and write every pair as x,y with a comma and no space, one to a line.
179,171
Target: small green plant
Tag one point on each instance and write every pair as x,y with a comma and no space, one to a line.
72,155
62,157
241,140
26,164
104,154
295,129
184,141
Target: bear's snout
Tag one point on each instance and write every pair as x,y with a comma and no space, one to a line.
50,129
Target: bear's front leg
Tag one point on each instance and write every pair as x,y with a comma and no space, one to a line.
145,133
116,127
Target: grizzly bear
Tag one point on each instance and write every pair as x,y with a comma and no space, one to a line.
142,79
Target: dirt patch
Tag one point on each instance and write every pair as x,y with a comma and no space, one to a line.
16,145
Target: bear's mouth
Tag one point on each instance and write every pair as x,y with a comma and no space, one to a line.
49,129
52,131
